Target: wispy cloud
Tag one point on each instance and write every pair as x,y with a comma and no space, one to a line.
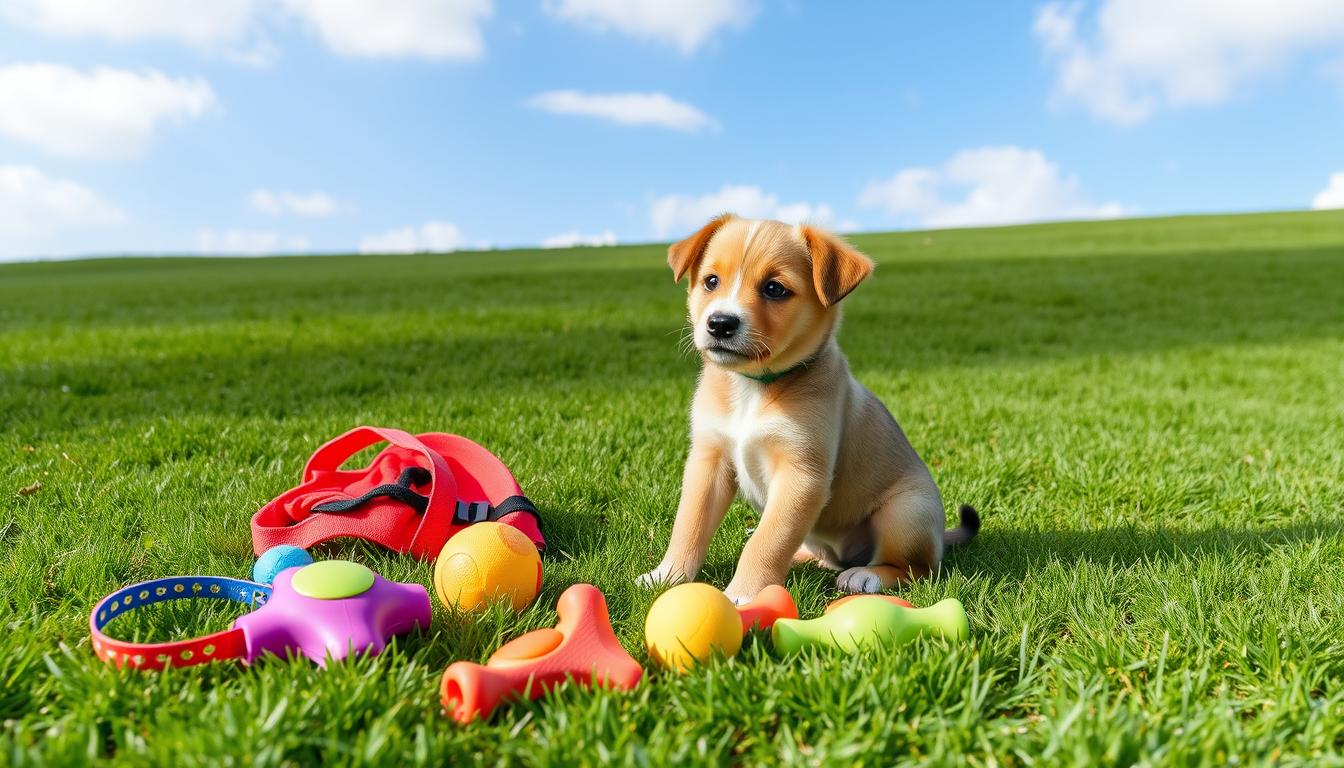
35,207
1333,194
1141,55
311,204
103,113
195,23
675,214
430,237
573,239
630,108
430,29
987,185
248,242
685,24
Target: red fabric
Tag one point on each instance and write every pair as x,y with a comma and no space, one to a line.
459,468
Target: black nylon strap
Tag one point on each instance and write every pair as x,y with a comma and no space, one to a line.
400,490
514,504
465,514
480,511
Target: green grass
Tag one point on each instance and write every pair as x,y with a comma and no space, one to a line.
1149,414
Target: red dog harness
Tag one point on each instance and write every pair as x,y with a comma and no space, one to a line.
415,494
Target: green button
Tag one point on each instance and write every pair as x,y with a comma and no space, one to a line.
332,580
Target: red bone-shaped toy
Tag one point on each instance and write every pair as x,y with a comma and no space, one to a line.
582,647
773,602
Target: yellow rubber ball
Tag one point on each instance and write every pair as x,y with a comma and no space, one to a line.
487,562
688,623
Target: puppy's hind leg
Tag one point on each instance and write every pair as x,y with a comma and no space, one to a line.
907,543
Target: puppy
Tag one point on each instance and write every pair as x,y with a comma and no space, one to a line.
778,418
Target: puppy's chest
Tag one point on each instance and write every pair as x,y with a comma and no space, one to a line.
754,438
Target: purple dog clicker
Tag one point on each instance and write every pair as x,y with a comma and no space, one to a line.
328,610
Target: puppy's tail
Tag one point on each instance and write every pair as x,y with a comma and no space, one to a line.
962,534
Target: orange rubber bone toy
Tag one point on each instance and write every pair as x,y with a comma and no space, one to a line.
773,602
894,600
582,647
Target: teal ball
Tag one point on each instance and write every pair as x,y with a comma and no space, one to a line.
277,559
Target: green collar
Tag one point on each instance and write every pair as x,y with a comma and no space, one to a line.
770,377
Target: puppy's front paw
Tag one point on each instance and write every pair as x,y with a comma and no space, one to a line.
860,579
742,593
738,598
663,575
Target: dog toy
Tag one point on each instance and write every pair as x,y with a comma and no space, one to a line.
582,647
871,622
413,496
485,562
894,600
771,604
325,610
688,623
277,559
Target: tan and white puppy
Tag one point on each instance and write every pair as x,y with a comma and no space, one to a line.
779,419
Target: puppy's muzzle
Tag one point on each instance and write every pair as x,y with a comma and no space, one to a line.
723,326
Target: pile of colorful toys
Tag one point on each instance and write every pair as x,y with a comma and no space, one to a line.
446,499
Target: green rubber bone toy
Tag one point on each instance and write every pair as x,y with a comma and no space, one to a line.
865,622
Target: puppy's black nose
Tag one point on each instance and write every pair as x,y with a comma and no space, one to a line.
723,326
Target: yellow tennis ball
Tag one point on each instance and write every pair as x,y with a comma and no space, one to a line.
485,562
688,623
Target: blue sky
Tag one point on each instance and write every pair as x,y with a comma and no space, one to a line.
253,126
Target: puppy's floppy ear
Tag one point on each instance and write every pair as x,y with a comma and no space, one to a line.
837,268
684,255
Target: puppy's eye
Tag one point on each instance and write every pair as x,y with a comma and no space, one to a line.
773,290
711,282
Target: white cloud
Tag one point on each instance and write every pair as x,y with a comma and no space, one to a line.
431,29
686,24
672,214
436,29
1333,194
245,242
1145,54
572,239
102,113
313,204
260,53
657,109
34,207
191,21
431,237
988,185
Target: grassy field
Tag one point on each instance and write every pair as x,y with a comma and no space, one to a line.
1149,415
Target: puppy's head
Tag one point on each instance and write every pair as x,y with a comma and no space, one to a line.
764,295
